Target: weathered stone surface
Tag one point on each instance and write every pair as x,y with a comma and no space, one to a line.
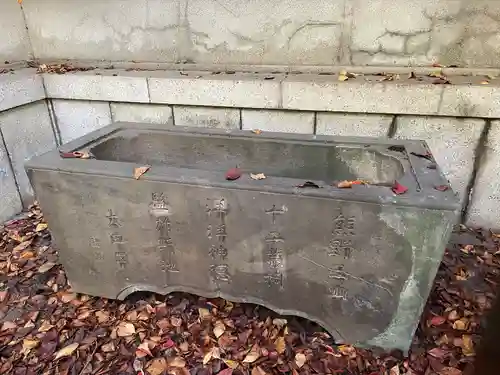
9,195
470,101
278,121
27,132
234,90
299,31
76,118
483,209
359,262
327,94
107,86
21,87
150,113
346,124
452,142
14,43
208,117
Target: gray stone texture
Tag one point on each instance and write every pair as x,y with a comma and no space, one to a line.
126,87
452,141
182,227
150,113
327,94
278,121
27,132
309,32
76,118
257,32
235,90
20,87
222,118
14,43
484,206
10,201
350,124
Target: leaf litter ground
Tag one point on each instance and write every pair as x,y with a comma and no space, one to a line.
45,328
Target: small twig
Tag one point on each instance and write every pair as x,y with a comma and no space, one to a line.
90,358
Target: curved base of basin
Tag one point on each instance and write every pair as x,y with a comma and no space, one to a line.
124,293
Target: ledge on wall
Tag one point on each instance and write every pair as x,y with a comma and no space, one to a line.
467,96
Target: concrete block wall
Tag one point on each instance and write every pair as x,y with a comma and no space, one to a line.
461,130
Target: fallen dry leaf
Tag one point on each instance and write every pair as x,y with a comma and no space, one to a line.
233,174
46,267
280,345
441,187
157,366
348,184
125,329
344,75
219,329
398,189
461,324
450,371
437,321
40,227
29,344
257,131
138,172
300,359
468,346
204,313
258,371
46,326
258,176
485,82
230,363
175,321
252,355
177,362
308,184
212,353
226,371
66,351
143,350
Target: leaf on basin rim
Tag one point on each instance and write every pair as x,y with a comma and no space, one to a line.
308,184
257,176
441,187
138,172
398,189
257,131
233,174
348,184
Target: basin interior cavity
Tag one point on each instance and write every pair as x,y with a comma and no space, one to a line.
278,158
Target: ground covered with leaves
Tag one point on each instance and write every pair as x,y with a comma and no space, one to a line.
45,328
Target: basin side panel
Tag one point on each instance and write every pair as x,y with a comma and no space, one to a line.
360,270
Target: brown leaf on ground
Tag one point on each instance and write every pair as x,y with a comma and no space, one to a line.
138,172
157,366
257,131
66,351
252,355
42,318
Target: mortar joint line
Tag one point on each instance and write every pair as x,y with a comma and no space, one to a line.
11,166
479,155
